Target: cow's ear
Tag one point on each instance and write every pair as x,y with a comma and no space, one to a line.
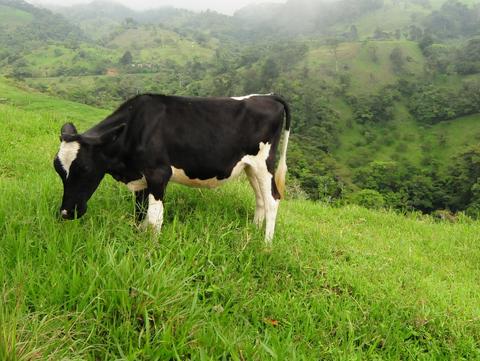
106,137
68,133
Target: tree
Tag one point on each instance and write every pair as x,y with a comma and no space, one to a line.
269,73
353,35
463,178
368,198
126,58
468,60
431,105
398,60
415,33
372,50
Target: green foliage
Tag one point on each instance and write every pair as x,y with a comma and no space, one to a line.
374,109
468,61
431,105
454,19
402,187
368,198
463,178
126,58
398,61
440,58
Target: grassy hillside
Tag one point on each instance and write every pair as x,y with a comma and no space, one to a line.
338,283
367,63
155,45
12,18
394,81
369,69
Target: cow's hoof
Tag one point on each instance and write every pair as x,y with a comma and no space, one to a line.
146,226
258,222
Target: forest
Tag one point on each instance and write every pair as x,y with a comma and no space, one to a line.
385,93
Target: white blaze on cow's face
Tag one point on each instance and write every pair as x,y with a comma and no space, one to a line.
75,164
67,154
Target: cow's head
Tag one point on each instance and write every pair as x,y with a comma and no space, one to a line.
81,165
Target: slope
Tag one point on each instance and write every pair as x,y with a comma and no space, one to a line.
339,283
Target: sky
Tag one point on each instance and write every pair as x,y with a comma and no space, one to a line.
223,6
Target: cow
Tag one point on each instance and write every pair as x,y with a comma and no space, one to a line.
153,139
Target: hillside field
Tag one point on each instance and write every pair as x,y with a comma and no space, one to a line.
338,283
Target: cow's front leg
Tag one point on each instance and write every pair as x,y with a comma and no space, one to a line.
157,181
141,204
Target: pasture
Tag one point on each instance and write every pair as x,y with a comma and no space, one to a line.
338,283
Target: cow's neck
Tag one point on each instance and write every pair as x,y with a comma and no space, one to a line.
118,162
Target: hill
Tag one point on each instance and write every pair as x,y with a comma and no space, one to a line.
338,283
382,91
12,18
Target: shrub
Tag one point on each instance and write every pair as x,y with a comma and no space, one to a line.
368,198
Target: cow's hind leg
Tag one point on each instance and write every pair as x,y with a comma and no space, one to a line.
157,181
260,205
270,195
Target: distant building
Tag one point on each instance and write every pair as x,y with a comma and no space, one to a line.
112,72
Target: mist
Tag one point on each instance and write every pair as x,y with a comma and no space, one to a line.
225,7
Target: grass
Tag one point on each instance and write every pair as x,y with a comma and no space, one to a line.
13,18
338,283
58,109
155,45
148,45
49,60
357,60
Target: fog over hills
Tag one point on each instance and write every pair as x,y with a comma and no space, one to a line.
225,7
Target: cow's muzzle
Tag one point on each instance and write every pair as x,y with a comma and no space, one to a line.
77,212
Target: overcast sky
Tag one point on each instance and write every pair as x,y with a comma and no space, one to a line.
223,6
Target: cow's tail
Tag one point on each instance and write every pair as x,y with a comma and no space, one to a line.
281,172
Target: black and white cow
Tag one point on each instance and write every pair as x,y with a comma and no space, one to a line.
201,142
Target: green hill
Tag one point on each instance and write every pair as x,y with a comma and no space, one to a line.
388,88
13,18
338,283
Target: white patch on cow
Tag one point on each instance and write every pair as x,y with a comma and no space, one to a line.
137,185
251,95
155,213
259,217
258,170
179,175
67,154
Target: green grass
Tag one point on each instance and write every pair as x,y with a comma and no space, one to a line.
355,59
390,18
59,109
148,45
156,45
338,283
394,15
13,18
50,60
